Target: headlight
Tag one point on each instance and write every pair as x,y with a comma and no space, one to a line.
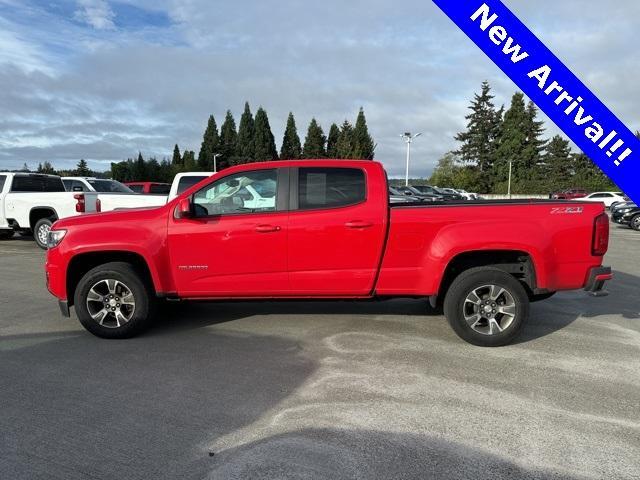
54,237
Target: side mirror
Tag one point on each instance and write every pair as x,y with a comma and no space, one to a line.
183,209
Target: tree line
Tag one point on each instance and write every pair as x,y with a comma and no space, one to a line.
494,137
252,141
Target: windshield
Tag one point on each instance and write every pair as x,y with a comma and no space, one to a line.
109,186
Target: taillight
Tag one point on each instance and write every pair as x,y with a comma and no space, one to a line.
600,243
80,203
98,205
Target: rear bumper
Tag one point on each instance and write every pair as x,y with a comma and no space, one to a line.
596,280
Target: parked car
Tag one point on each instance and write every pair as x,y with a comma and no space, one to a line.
467,195
112,194
628,215
608,198
328,232
397,197
446,196
31,202
570,194
414,192
615,203
620,205
149,188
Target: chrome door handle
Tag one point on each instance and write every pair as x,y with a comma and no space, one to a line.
267,228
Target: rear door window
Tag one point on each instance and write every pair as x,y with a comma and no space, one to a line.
3,178
330,187
37,183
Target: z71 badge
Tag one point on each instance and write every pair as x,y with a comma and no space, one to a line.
566,210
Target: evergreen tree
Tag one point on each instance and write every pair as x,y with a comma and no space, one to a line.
139,170
189,161
166,172
314,141
246,132
557,166
483,127
264,145
535,144
82,169
345,140
332,141
228,140
209,146
25,168
153,170
46,168
176,160
588,175
512,143
362,147
291,148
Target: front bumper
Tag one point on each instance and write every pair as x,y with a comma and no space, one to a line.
596,280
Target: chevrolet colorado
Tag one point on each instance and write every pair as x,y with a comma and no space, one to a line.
325,229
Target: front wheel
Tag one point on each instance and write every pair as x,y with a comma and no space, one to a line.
41,232
486,306
635,223
112,301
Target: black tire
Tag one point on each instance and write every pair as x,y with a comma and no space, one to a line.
40,229
485,333
6,234
139,316
635,223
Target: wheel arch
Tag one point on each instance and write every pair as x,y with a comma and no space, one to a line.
82,263
38,213
518,263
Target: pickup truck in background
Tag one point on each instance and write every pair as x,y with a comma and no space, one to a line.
326,230
112,194
31,202
570,194
149,188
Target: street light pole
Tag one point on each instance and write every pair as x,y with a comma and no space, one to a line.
408,138
215,163
509,185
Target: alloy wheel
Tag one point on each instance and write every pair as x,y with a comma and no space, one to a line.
489,309
111,303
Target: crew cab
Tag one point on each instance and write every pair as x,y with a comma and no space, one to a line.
31,202
112,194
327,230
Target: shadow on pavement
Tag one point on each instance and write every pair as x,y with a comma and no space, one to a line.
74,406
549,316
363,454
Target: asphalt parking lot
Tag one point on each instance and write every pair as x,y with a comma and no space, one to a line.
320,390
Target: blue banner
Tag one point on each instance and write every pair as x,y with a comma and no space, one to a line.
552,87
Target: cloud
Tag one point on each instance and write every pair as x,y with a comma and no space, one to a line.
96,13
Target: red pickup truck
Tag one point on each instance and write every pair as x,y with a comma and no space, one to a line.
318,229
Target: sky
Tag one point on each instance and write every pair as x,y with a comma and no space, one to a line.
102,80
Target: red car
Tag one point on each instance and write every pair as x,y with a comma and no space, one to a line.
318,229
569,194
152,188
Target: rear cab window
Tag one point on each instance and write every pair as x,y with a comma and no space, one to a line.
320,187
136,188
3,179
160,189
187,182
37,183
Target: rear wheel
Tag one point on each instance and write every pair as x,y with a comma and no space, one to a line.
486,306
635,223
41,231
112,301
